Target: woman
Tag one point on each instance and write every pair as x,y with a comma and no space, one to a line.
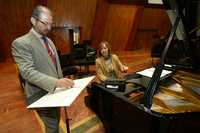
108,65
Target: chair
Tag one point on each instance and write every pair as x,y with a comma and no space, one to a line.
66,64
21,80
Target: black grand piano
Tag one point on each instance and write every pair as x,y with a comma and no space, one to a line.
155,105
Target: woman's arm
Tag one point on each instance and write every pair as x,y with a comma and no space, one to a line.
122,67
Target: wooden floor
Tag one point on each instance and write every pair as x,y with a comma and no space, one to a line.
15,118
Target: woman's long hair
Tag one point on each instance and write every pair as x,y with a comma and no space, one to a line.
100,48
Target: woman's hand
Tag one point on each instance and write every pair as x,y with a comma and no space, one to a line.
125,69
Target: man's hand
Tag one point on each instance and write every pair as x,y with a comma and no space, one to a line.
64,83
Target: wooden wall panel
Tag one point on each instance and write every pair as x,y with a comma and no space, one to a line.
15,21
118,26
99,22
131,39
144,40
155,19
72,13
2,57
153,22
130,2
122,25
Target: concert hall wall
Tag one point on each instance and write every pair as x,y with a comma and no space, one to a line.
126,27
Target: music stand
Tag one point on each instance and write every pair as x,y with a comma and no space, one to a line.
63,97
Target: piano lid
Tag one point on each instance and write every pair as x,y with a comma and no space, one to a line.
178,23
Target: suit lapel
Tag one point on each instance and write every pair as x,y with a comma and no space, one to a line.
42,50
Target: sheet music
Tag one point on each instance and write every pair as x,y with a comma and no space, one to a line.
149,72
62,97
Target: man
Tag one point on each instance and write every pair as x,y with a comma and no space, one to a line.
38,63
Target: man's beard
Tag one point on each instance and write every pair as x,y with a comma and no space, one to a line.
45,32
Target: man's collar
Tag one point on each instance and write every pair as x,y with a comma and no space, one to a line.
36,33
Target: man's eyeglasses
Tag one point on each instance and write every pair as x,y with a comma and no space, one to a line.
45,23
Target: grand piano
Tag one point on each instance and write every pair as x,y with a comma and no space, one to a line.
155,105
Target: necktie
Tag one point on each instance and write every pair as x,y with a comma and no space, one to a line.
50,52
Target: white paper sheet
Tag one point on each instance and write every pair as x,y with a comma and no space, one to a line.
149,72
62,97
155,2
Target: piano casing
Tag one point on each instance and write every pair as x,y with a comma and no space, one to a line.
177,111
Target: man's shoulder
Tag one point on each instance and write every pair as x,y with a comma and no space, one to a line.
23,38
